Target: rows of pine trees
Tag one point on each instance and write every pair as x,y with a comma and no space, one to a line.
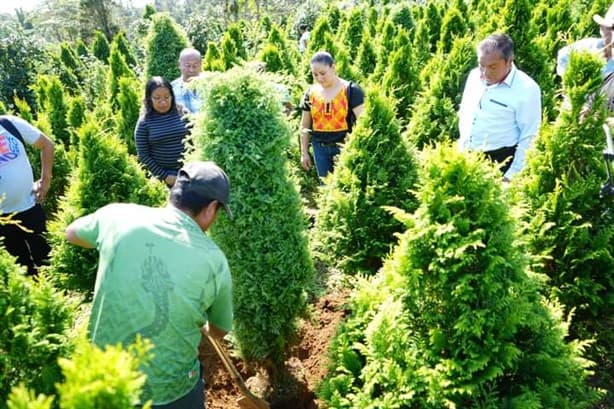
466,294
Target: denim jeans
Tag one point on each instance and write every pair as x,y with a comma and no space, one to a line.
193,400
324,154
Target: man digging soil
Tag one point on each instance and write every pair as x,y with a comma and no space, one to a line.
160,277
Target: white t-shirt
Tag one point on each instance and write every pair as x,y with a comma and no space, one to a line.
302,42
16,178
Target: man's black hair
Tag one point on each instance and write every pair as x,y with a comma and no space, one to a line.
187,200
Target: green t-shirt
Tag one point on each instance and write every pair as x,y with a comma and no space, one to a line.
161,277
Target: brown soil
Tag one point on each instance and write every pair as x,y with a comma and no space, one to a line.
304,369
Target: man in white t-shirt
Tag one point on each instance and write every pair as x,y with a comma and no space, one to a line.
304,39
20,195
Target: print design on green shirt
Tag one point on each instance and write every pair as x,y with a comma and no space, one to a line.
156,281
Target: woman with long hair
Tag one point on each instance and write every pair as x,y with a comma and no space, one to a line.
161,131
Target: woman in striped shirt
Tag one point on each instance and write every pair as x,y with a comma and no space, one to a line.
160,131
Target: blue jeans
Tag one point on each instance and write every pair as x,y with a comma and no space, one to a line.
324,154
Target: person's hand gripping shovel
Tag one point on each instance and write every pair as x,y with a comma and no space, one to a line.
248,400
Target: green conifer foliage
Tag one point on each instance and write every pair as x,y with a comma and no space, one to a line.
93,378
229,55
570,227
271,55
65,73
435,116
212,60
375,168
453,25
127,115
277,38
164,42
386,47
76,114
104,173
334,16
71,61
81,48
401,78
100,47
452,320
422,47
234,30
35,329
243,131
317,37
124,47
118,69
432,21
367,56
353,31
372,21
56,108
402,16
108,377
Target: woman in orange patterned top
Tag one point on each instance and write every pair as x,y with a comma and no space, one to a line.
330,108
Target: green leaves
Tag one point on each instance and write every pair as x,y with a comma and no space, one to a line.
242,130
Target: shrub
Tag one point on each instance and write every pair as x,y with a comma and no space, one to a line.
164,42
375,169
453,320
435,116
93,378
243,131
105,173
569,225
35,323
100,47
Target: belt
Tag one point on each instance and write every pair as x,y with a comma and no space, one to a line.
328,143
501,154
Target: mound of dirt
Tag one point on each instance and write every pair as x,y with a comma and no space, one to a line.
305,367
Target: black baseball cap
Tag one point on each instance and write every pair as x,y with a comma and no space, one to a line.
205,180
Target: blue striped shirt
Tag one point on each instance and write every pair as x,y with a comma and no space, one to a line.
160,142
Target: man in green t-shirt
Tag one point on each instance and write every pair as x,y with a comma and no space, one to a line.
161,277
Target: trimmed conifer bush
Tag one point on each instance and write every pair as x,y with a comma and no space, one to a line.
212,60
35,326
401,76
243,131
129,102
453,320
93,378
164,43
118,68
569,225
435,117
100,47
375,169
105,173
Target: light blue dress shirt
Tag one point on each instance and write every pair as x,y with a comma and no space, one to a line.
186,96
586,44
500,115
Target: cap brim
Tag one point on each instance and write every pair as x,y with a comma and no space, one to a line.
602,21
227,209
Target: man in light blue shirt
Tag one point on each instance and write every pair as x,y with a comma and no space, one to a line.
601,45
500,112
190,65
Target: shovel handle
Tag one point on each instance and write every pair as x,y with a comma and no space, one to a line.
229,366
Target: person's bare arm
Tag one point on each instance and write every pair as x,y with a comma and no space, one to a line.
358,110
215,331
71,235
47,148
